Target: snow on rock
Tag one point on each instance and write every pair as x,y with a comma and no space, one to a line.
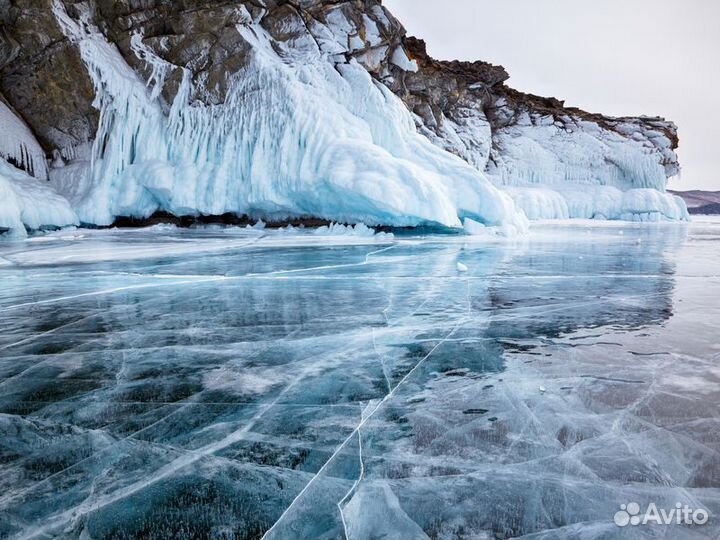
401,60
316,139
532,152
18,144
29,203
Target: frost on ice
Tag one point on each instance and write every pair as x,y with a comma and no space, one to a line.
298,135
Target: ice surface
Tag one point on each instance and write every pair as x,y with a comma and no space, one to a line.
298,135
240,383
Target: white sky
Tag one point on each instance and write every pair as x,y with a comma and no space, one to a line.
618,57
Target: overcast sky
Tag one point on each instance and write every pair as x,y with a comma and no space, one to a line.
618,57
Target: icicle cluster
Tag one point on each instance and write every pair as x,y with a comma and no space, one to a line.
17,144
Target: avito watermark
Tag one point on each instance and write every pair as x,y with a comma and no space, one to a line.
630,514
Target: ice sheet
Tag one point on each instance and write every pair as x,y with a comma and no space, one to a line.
245,383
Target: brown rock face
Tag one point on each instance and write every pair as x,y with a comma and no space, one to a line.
43,77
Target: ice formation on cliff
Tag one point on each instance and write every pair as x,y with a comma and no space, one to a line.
17,144
297,135
578,169
26,202
312,125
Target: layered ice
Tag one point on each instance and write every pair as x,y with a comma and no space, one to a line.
299,134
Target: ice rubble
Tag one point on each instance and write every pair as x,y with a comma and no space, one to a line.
316,138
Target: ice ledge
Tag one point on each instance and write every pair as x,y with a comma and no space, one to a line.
598,202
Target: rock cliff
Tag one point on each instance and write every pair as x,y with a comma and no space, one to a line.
281,109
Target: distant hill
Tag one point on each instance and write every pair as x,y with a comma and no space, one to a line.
701,202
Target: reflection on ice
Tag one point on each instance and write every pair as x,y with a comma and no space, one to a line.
237,384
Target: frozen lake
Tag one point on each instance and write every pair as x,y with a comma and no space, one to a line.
228,384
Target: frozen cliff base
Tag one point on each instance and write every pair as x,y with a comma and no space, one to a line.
26,202
598,202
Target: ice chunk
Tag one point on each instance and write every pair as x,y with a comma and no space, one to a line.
26,202
360,230
540,203
461,267
474,228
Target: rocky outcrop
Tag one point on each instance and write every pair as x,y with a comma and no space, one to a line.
43,77
194,55
468,108
701,202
